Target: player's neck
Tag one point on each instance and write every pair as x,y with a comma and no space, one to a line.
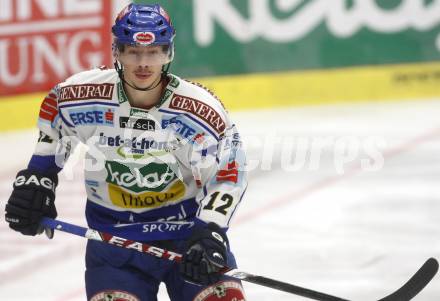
144,99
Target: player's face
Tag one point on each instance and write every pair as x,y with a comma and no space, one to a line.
142,64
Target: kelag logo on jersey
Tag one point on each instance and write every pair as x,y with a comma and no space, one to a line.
152,177
92,116
137,123
146,186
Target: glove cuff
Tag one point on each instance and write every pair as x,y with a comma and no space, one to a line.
210,231
35,180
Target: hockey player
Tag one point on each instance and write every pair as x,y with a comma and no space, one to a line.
164,164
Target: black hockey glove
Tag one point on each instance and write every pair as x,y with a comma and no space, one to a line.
205,255
32,198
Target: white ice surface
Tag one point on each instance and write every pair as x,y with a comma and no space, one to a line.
321,224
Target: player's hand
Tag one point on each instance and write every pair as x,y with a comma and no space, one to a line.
205,255
32,198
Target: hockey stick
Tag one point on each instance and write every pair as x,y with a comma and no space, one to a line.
410,289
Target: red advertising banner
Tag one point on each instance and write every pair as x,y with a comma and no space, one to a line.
42,42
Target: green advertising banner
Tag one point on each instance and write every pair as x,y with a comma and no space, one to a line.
246,36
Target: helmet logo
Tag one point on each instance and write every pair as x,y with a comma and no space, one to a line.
145,38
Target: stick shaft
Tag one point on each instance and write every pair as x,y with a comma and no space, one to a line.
406,292
169,255
111,239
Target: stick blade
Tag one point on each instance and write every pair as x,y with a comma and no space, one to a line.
417,282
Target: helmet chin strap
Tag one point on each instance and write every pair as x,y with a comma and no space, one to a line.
150,87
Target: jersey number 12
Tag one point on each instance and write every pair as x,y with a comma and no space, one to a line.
227,202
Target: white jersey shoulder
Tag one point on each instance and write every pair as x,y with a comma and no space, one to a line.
197,102
96,84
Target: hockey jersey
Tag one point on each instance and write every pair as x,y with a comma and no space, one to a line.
149,174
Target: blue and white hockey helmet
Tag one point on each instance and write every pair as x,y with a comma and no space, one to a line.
144,25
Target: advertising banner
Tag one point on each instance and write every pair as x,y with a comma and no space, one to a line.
44,42
225,37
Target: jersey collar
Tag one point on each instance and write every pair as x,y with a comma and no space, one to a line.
173,83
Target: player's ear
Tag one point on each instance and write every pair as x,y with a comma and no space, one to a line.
117,50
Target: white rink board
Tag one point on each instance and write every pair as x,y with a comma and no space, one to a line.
345,231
